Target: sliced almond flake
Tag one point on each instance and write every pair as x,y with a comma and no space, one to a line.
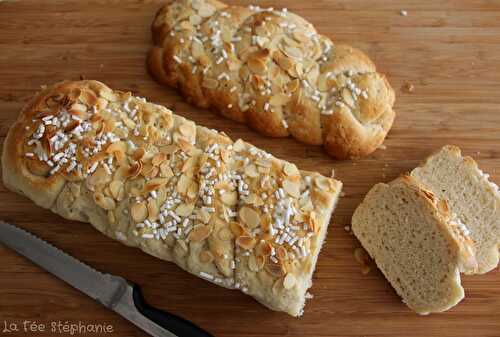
239,145
254,199
158,159
104,202
117,190
78,109
206,10
138,153
322,183
189,165
99,177
108,94
264,248
203,215
282,253
210,83
313,222
206,256
274,269
225,234
277,286
257,66
294,52
184,210
230,198
290,169
197,50
183,184
251,171
292,188
195,19
166,170
253,265
246,242
237,229
188,129
279,100
88,97
192,190
249,216
289,281
300,37
153,209
139,211
263,162
200,233
155,184
293,85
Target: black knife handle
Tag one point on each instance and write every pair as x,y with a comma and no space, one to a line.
177,325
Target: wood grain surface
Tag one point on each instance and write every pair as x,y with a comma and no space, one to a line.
449,51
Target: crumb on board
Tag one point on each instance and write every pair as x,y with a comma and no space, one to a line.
382,147
403,12
408,87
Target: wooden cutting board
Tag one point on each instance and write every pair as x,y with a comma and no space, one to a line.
448,50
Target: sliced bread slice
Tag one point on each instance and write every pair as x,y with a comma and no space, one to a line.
408,232
474,201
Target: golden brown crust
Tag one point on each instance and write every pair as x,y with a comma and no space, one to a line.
271,70
222,210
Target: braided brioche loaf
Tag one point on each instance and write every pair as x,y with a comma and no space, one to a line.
227,212
272,70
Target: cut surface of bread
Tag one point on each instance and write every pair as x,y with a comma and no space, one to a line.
270,69
408,232
224,211
474,200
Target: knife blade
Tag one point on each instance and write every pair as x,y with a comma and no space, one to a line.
114,292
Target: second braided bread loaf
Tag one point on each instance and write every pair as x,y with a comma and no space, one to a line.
271,69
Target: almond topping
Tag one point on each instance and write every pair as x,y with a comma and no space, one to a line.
155,184
292,188
237,229
206,256
138,154
153,209
251,171
104,202
206,10
245,242
184,210
249,216
117,190
275,269
257,66
210,83
200,233
290,169
230,198
139,212
255,263
225,234
158,158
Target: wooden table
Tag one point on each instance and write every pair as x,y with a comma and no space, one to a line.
449,51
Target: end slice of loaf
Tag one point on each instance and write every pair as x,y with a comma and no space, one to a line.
408,232
474,201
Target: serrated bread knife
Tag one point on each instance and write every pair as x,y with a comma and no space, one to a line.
114,292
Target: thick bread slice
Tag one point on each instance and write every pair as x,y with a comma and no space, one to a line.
407,231
473,199
272,70
222,210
